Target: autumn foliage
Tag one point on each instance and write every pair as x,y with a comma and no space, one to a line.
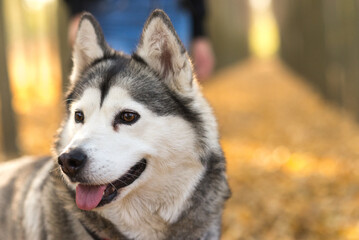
292,156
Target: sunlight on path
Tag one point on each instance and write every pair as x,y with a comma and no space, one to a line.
291,156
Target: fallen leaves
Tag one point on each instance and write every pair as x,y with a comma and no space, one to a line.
292,157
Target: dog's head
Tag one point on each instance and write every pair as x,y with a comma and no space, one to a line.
134,123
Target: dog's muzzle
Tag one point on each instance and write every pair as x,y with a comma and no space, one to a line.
89,196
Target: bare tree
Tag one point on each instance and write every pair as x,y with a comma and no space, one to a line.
319,40
8,123
64,47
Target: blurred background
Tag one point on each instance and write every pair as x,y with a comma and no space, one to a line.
285,91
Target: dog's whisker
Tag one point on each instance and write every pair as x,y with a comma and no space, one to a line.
54,170
113,186
131,174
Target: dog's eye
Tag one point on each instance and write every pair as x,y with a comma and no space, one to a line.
79,116
127,117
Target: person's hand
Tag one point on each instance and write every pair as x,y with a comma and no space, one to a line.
203,57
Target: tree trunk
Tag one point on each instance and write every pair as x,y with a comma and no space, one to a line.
64,47
320,40
8,121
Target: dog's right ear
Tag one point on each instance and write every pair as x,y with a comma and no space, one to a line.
89,45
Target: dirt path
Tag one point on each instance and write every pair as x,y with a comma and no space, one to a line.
292,157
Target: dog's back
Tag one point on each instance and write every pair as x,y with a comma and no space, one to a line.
20,196
35,204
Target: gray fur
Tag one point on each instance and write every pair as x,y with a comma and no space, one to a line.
58,215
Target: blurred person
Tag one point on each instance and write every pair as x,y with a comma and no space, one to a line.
122,22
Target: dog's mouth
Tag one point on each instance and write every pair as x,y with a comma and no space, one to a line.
91,196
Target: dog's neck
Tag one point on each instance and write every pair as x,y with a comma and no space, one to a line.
147,211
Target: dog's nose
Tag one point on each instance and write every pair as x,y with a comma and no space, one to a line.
72,161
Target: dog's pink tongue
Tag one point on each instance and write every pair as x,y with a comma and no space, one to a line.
88,197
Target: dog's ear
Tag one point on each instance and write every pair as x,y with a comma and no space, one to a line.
161,48
89,45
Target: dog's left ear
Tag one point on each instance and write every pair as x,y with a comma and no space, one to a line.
161,48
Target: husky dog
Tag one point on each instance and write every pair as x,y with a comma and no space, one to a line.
137,156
